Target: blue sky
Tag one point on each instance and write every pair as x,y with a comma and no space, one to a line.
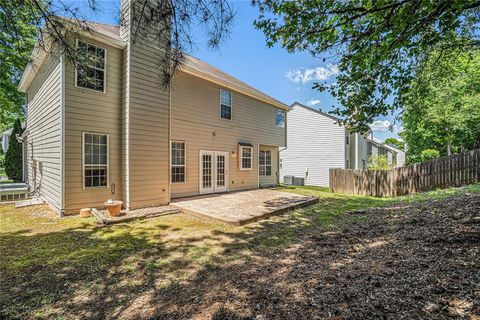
286,77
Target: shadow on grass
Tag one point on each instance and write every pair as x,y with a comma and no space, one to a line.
305,263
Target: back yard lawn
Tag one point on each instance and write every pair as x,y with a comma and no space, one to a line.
414,257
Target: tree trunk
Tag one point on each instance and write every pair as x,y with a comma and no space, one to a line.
449,149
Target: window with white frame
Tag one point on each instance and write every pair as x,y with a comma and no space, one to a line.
265,163
225,104
280,119
95,160
246,153
178,161
90,70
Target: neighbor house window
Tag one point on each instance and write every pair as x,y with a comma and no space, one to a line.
280,119
90,71
95,160
178,161
347,139
246,153
265,163
225,104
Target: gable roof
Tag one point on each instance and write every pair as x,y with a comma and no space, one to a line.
111,34
314,110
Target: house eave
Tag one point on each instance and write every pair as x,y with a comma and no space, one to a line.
38,55
195,73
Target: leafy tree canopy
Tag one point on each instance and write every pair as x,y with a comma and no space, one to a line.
442,107
378,42
17,39
379,162
395,143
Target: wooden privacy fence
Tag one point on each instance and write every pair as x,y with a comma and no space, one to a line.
444,172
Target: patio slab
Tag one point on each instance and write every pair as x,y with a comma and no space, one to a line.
242,207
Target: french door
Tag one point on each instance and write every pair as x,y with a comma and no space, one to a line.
213,171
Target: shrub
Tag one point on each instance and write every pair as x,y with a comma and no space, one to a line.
379,162
429,154
13,157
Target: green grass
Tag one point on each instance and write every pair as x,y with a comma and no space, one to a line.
48,261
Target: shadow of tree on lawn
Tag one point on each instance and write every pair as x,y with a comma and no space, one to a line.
311,263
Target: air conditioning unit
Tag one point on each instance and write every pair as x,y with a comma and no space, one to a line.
288,180
297,181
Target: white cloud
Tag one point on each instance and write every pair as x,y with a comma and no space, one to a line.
380,125
304,75
313,102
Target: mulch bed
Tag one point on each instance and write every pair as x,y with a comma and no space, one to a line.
415,261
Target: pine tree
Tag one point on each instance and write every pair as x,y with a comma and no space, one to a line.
13,157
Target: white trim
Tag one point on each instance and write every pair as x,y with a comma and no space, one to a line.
224,84
104,68
127,119
231,104
83,160
177,165
265,165
240,158
213,188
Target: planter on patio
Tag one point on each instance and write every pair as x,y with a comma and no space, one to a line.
114,207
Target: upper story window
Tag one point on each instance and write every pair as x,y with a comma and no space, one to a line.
90,71
347,139
95,160
280,118
225,104
246,155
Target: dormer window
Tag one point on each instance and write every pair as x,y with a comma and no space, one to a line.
90,70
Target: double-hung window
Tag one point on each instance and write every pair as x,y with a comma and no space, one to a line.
280,118
265,163
95,160
90,70
246,154
225,104
178,161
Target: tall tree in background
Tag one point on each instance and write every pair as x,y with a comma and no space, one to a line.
442,107
395,143
17,38
13,156
378,44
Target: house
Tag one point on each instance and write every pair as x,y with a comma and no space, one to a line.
395,157
316,143
125,137
5,137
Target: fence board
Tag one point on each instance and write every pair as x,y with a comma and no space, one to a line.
444,172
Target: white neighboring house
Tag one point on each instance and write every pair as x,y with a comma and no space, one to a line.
5,137
316,143
398,156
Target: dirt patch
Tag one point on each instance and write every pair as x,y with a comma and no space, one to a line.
417,261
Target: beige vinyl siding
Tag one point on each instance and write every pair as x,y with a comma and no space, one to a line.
315,143
268,181
96,112
44,125
148,136
195,119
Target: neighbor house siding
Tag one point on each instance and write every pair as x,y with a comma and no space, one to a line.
315,143
95,112
44,123
195,119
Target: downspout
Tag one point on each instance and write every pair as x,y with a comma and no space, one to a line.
356,150
62,139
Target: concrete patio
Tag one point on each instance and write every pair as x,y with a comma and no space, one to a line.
242,207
